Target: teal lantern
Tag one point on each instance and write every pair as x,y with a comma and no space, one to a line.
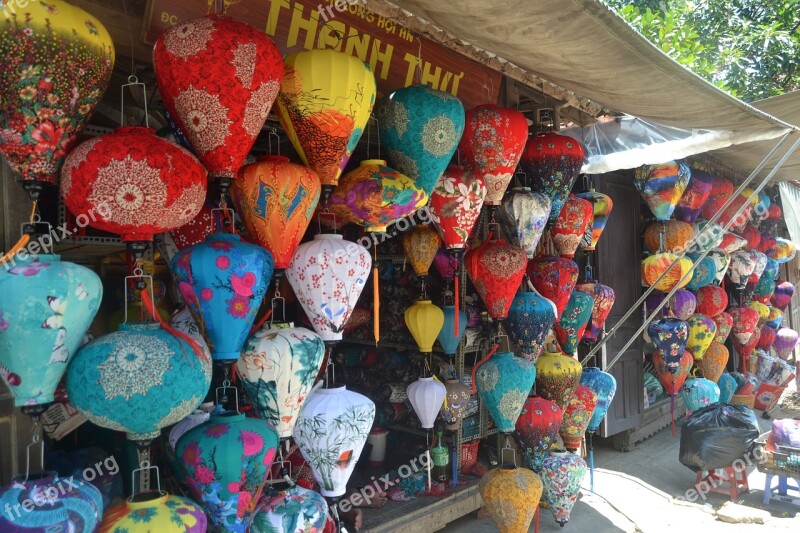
530,318
699,392
605,386
704,273
420,129
45,308
727,387
569,329
503,383
447,337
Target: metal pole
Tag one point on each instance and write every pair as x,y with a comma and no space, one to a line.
702,256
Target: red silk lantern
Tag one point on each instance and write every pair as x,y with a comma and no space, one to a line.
744,349
767,244
711,300
455,205
721,190
194,231
570,227
752,236
218,79
724,322
732,243
671,378
576,417
492,144
133,183
603,302
496,268
766,338
554,278
745,320
537,428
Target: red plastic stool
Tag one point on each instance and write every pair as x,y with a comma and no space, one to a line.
728,480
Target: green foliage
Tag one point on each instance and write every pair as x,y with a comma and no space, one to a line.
748,48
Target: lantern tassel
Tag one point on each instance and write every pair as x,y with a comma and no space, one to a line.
475,368
376,305
21,243
457,304
591,463
151,309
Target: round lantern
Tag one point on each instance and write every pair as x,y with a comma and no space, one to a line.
420,245
724,322
137,380
711,300
374,196
704,272
529,321
655,265
692,200
766,338
662,186
225,464
290,510
603,302
537,429
155,511
785,250
571,224
46,307
219,78
449,338
133,183
732,243
670,236
276,200
496,268
605,386
752,236
702,331
277,369
511,496
698,393
727,388
562,474
427,397
503,383
745,320
492,144
576,417
55,63
601,208
424,320
573,321
670,336
554,278
782,295
552,163
557,377
721,190
785,342
775,318
331,432
457,397
722,260
761,209
455,205
328,275
762,310
682,304
523,217
420,128
714,361
196,230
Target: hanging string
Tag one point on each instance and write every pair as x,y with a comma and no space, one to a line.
149,305
475,368
418,73
456,300
376,297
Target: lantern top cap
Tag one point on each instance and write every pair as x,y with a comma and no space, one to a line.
228,415
135,129
338,389
373,162
329,236
146,499
273,158
139,326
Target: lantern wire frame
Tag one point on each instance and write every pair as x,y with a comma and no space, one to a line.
144,478
36,440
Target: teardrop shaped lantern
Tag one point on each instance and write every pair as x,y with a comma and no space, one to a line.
276,200
576,417
727,387
742,265
711,300
523,216
530,318
511,496
745,348
682,304
449,338
724,322
426,396
223,281
562,475
694,197
785,342
552,163
721,191
455,206
775,318
420,245
723,261
218,78
290,510
762,310
672,377
655,265
557,377
745,320
732,243
133,183
457,398
420,129
503,383
328,275
670,336
571,224
670,236
602,205
704,273
605,386
662,186
374,196
46,307
782,295
603,302
698,393
766,338
573,321
752,236
496,268
554,278
424,320
156,510
55,64
492,144
714,361
537,430
277,368
702,331
138,379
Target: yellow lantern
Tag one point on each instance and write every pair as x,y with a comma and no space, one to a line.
656,264
421,245
557,377
511,495
424,320
762,310
702,331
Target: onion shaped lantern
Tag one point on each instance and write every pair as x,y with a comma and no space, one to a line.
694,197
503,383
420,245
557,377
537,430
446,265
782,295
724,322
496,268
711,300
672,377
603,302
785,342
714,361
655,265
530,318
571,224
562,474
576,417
771,270
426,396
669,335
424,320
449,337
698,393
511,496
670,236
682,304
605,386
573,321
554,278
602,206
745,320
662,186
156,510
704,273
702,331
766,338
523,216
744,202
455,204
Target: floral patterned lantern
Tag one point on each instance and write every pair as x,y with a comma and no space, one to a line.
662,186
706,236
137,380
752,236
276,200
218,78
328,275
745,349
552,163
601,208
511,496
155,511
492,144
576,417
714,361
557,377
745,320
290,510
764,290
562,474
196,230
537,430
672,378
277,368
670,336
571,224
426,396
785,342
724,322
133,183
603,302
655,265
424,320
331,433
683,304
46,307
729,214
768,245
455,205
704,273
496,268
762,310
727,387
605,386
503,383
694,197
711,300
766,338
573,321
530,318
456,400
420,129
523,217
449,337
722,261
225,464
702,331
782,295
698,393
554,278
732,243
670,236
421,245
45,105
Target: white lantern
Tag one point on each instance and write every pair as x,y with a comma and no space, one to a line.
523,216
328,275
760,261
331,431
278,367
427,397
191,421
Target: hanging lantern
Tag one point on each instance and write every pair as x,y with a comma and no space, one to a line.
698,393
511,496
722,261
782,295
672,379
503,383
766,338
46,308
603,302
523,217
762,310
554,278
46,105
761,209
714,361
744,202
331,432
721,191
662,186
133,183
573,321
290,510
427,397
137,380
601,208
276,200
225,464
374,196
670,336
193,420
455,205
771,270
562,474
529,321
194,231
456,400
496,268
445,264
420,245
732,243
752,236
223,281
727,388
277,369
655,265
492,144
557,377
761,265
154,511
449,338
576,417
745,320
692,200
744,349
537,429
768,245
670,236
785,342
571,224
764,290
604,386
328,275
724,322
704,272
711,300
683,304
775,318
702,331
424,320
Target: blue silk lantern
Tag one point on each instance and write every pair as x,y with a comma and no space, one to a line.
446,337
605,386
223,281
739,378
46,307
420,129
771,270
727,387
704,273
503,383
662,186
669,336
529,321
570,327
699,392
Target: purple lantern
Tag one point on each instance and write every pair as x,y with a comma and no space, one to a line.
683,304
785,341
782,295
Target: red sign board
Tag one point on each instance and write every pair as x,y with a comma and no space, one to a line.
398,57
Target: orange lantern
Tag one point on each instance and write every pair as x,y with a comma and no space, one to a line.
421,245
670,236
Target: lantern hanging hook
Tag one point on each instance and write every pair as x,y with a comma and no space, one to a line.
277,300
226,385
144,477
273,132
141,281
133,81
508,448
36,440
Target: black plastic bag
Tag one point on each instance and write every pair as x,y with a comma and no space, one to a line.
716,436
